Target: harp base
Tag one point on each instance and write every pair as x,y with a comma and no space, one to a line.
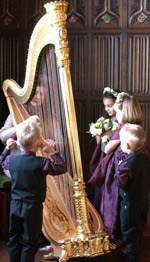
91,245
50,256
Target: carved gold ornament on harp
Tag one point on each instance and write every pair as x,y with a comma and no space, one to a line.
85,237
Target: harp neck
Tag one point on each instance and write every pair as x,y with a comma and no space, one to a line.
49,30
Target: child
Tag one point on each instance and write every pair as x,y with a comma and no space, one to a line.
28,174
133,179
128,109
9,131
109,98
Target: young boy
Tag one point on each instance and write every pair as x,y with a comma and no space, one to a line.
28,174
133,179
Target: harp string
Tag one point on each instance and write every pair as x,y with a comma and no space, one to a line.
59,112
47,103
60,123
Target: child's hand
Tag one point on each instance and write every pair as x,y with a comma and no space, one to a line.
105,139
10,144
34,118
100,119
48,146
50,142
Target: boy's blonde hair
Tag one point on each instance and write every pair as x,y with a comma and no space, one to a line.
134,135
28,135
131,111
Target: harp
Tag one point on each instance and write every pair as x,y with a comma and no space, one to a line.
70,221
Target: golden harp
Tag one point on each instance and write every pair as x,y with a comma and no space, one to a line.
70,221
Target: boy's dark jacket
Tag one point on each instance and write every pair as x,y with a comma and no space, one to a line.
133,177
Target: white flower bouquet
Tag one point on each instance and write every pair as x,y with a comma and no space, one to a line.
101,127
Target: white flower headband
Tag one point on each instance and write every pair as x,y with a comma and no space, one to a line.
119,100
108,90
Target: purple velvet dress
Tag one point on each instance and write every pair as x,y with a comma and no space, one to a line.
108,194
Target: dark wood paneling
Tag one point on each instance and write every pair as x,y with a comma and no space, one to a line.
106,62
9,14
139,13
78,56
107,13
77,14
9,58
139,64
81,113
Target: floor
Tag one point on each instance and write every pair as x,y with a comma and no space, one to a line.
106,258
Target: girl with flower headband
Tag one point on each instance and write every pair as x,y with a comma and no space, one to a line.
98,129
127,111
102,137
109,98
104,126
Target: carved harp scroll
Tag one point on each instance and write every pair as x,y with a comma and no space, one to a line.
83,234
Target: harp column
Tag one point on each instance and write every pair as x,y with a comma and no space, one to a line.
63,62
86,242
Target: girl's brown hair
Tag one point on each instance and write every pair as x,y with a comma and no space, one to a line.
131,111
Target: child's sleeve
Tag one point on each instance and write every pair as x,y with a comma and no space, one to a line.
57,167
4,159
123,174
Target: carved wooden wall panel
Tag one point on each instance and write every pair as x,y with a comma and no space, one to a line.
81,113
106,62
9,58
138,13
35,10
138,57
78,47
77,14
138,64
107,13
9,14
97,109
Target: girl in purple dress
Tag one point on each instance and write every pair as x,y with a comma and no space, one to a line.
128,111
109,98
